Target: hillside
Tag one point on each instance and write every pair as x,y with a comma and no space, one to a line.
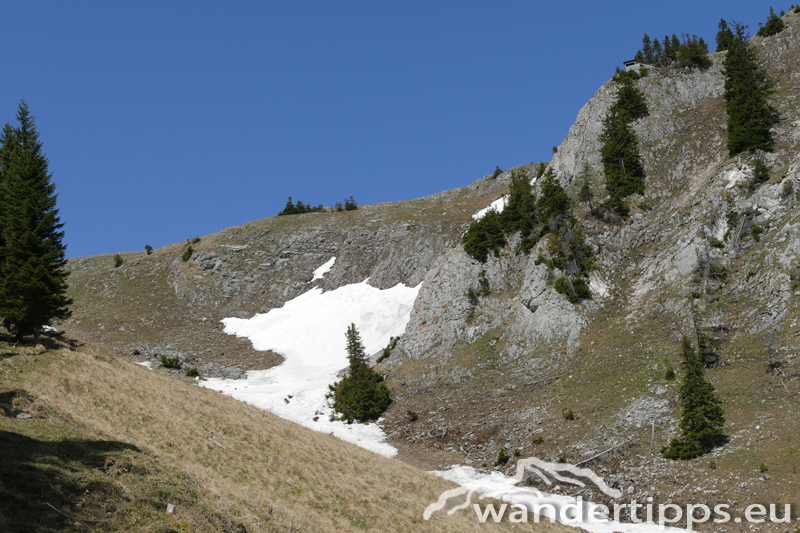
79,454
700,250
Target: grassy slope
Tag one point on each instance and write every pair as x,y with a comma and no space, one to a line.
110,443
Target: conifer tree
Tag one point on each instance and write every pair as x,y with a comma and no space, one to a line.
724,36
693,52
702,416
586,179
33,287
658,52
620,151
8,144
773,25
647,49
520,213
747,89
553,203
667,51
361,395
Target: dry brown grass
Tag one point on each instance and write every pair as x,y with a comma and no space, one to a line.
246,460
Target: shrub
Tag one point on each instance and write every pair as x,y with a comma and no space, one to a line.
171,362
148,249
361,395
718,273
562,460
117,261
756,232
412,415
350,205
497,172
388,350
670,373
538,439
763,467
517,453
187,254
195,240
472,296
568,414
192,373
716,243
797,9
788,190
137,352
575,290
760,171
502,457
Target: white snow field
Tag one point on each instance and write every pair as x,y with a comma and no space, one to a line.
324,269
309,332
498,205
496,485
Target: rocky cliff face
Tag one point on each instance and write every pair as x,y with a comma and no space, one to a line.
701,250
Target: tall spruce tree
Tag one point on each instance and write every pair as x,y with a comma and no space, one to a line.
747,90
8,144
622,163
33,287
702,416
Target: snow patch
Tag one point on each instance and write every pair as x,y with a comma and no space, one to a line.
324,269
496,485
733,177
309,332
498,206
146,364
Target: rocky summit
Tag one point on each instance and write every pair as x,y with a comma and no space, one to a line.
494,357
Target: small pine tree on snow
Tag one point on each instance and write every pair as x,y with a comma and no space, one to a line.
361,395
702,416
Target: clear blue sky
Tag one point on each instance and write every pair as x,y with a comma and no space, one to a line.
169,120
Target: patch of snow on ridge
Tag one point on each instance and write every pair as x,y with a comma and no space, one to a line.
309,331
498,205
496,485
324,269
